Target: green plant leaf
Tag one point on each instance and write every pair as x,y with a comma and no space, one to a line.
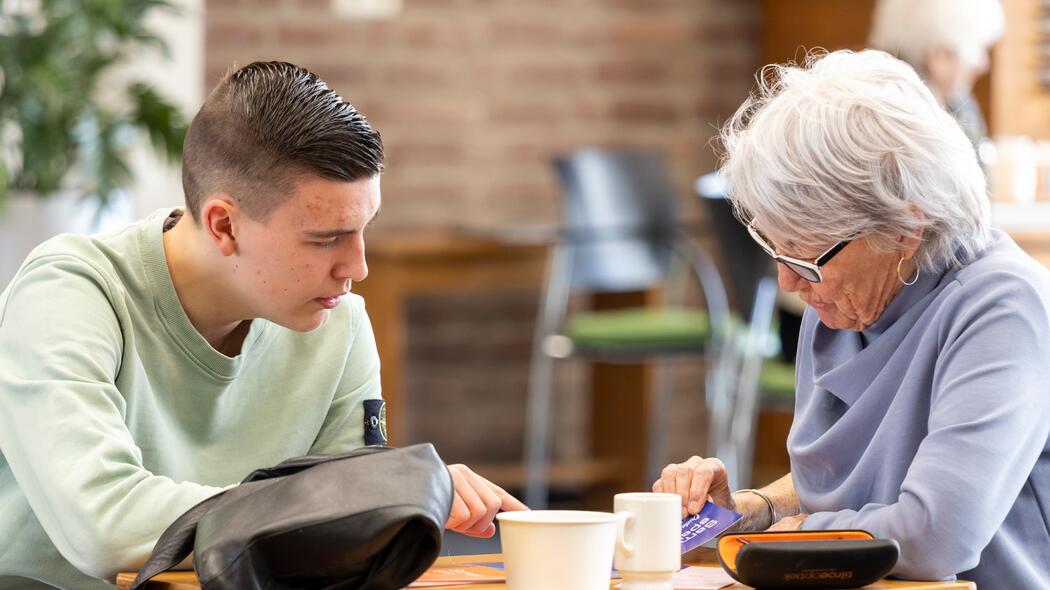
162,121
51,68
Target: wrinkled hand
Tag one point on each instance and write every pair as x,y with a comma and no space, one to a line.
476,503
789,523
696,481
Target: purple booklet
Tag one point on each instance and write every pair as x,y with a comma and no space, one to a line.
705,525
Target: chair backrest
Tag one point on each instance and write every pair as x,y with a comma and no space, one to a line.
747,264
620,217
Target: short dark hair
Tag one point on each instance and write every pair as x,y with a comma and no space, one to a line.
266,125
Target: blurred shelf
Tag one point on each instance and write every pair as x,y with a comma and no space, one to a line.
771,460
563,474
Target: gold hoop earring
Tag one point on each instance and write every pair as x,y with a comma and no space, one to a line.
901,279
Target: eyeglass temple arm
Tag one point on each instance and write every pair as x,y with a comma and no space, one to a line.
825,257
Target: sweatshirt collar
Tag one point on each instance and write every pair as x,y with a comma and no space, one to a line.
173,316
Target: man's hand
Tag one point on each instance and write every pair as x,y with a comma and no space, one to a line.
476,503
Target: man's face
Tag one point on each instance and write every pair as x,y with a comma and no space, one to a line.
294,267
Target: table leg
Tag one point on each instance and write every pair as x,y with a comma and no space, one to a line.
619,415
386,310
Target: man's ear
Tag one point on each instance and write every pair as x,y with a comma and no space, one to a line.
219,219
910,244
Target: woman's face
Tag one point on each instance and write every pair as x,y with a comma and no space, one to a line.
952,73
859,282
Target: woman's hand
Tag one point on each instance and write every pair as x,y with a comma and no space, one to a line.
476,502
789,523
696,481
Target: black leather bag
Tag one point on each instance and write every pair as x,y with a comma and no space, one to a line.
370,519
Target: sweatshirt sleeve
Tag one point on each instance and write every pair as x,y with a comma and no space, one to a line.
62,421
343,428
989,419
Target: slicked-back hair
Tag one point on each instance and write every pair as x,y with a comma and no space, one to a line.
266,125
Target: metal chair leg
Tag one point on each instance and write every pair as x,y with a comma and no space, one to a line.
553,304
745,411
659,404
538,427
718,394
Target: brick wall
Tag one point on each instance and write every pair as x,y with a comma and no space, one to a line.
473,97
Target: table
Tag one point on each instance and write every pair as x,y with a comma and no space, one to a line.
404,263
407,262
188,581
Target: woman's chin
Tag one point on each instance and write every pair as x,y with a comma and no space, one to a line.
835,321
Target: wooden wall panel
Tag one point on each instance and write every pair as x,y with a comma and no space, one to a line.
1020,104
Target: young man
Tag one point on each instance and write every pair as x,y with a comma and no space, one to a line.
145,370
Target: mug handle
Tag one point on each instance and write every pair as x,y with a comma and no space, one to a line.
624,521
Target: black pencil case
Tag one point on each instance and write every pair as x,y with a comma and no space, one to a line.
807,559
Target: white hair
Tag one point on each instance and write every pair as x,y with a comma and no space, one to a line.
848,145
910,28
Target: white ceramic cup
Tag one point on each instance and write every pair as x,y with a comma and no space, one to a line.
559,549
652,547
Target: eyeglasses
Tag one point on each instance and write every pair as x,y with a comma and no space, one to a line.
807,270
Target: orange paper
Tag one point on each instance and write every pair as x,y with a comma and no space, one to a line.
455,575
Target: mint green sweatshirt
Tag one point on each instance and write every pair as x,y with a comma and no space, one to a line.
116,415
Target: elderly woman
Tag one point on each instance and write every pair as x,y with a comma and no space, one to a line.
923,371
947,42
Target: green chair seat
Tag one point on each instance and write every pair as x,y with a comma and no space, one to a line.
777,381
639,330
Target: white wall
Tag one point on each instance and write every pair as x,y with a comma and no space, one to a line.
181,80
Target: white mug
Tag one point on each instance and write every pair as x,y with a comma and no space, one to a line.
652,547
559,549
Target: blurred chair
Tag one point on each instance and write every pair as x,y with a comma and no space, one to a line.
621,233
758,375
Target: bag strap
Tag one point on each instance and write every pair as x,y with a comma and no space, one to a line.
176,543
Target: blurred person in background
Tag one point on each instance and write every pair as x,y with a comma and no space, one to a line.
145,370
921,411
948,43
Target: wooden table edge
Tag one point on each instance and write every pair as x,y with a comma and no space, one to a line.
188,581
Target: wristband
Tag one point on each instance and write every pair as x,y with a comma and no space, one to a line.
772,509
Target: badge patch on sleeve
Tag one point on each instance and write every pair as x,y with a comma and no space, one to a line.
375,422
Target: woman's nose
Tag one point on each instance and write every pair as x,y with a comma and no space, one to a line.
787,279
